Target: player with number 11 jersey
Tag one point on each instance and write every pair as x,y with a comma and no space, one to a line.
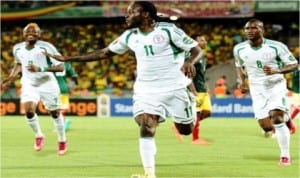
159,55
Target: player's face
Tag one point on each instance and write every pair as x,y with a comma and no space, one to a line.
31,34
202,41
133,17
253,31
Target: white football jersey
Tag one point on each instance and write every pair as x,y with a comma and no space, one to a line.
159,55
35,56
271,53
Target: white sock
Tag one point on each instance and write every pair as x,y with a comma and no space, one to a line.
283,139
35,125
147,152
59,125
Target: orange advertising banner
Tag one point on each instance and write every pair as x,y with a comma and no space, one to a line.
79,107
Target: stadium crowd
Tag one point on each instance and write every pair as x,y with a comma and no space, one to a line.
114,77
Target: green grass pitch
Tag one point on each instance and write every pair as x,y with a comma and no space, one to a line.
108,148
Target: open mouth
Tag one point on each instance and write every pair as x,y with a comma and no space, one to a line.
30,37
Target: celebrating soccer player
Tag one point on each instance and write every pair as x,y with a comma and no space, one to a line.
160,89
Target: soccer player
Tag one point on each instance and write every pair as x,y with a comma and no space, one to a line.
160,89
38,83
199,88
64,90
265,61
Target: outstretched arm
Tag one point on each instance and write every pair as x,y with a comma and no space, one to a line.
92,56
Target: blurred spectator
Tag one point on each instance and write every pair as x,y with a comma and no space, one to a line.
118,80
220,90
222,81
237,93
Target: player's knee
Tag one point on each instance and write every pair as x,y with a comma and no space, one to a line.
147,130
266,124
267,128
54,114
30,114
148,124
185,129
277,116
205,114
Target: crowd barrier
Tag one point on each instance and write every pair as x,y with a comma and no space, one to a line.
105,106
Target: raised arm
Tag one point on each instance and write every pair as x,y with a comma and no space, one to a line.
92,56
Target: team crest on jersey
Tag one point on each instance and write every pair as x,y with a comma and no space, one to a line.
158,39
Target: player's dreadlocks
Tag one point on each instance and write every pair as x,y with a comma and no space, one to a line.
148,7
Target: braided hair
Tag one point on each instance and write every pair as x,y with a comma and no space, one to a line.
148,7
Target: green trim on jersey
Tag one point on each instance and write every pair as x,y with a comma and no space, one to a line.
174,48
29,49
168,33
178,32
49,61
256,48
276,51
276,43
279,61
127,37
187,40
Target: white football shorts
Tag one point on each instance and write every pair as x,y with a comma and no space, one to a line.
47,92
268,98
180,105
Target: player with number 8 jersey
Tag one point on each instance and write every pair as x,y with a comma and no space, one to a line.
264,62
